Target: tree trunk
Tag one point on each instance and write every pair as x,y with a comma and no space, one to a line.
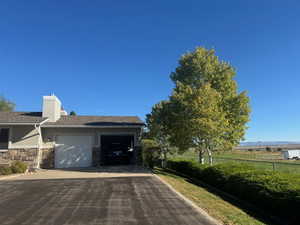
164,159
210,156
200,155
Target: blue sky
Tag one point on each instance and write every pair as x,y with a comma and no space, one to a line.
115,57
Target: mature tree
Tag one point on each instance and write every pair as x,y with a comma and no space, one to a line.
6,105
199,121
73,113
201,69
157,124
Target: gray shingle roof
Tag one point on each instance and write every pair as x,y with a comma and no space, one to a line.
36,117
21,117
97,121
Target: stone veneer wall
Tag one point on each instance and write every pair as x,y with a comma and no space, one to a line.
47,158
96,156
29,156
25,155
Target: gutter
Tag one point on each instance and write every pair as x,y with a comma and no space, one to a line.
20,124
90,126
37,126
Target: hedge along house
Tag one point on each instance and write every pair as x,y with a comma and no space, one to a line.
53,139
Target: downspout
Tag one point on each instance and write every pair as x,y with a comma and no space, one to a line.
37,126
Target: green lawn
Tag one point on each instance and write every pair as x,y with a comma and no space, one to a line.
259,159
255,155
214,205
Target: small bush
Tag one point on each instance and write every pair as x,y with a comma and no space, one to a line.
18,167
191,168
268,149
150,153
5,170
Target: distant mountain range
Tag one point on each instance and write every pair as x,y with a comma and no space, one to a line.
269,143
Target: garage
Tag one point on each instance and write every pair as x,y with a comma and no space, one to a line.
73,151
117,149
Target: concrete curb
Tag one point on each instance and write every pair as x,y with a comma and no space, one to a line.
6,177
191,203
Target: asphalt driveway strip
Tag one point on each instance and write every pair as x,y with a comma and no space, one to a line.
94,201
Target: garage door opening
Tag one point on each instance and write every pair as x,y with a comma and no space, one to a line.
117,150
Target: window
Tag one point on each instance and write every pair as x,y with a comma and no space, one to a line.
4,136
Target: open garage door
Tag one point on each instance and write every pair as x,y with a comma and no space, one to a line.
73,151
117,149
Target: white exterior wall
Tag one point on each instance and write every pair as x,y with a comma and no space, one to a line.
51,108
27,136
23,137
49,134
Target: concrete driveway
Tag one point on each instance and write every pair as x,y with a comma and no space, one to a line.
93,198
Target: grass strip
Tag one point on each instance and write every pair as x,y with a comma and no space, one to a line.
214,205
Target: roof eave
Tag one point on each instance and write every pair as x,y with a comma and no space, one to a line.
89,126
24,123
18,124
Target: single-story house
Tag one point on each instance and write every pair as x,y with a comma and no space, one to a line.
53,139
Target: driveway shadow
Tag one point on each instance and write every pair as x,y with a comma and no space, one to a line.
108,169
90,172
